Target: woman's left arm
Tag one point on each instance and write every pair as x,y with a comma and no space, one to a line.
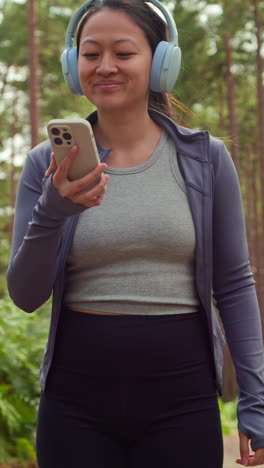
235,295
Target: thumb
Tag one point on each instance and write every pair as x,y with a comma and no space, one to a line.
244,448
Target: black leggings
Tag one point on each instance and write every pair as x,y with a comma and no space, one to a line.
130,392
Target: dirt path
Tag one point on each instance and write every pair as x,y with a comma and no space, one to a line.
231,452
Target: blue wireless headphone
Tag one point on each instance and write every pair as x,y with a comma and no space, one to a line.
166,60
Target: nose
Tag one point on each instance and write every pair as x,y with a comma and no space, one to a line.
107,65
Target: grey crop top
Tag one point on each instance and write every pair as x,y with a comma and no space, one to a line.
134,254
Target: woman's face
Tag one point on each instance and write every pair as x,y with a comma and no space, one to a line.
114,62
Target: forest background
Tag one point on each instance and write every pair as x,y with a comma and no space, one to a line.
221,89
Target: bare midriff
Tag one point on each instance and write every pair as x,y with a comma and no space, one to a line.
96,312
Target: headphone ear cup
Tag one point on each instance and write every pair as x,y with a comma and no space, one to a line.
69,62
156,67
166,64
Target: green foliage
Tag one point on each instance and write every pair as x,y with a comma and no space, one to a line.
24,450
228,412
5,251
22,342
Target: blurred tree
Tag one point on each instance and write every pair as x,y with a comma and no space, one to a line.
33,71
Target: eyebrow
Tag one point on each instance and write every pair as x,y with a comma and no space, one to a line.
119,41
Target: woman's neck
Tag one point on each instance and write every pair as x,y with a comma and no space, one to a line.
122,131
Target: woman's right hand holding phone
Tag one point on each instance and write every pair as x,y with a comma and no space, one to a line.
75,190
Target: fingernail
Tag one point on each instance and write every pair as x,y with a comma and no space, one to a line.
74,148
106,178
244,461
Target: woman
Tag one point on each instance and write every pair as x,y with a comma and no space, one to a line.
133,361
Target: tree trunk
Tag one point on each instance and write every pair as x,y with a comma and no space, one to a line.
13,167
231,102
221,97
33,72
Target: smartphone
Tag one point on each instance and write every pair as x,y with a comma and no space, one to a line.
65,133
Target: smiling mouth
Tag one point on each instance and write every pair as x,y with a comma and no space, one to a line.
108,84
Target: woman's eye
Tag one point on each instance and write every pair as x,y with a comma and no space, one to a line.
90,55
124,54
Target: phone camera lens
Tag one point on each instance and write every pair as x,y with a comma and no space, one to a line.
58,141
55,131
66,136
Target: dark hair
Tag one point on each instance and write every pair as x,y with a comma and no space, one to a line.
154,28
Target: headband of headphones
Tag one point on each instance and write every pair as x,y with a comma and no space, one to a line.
166,59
